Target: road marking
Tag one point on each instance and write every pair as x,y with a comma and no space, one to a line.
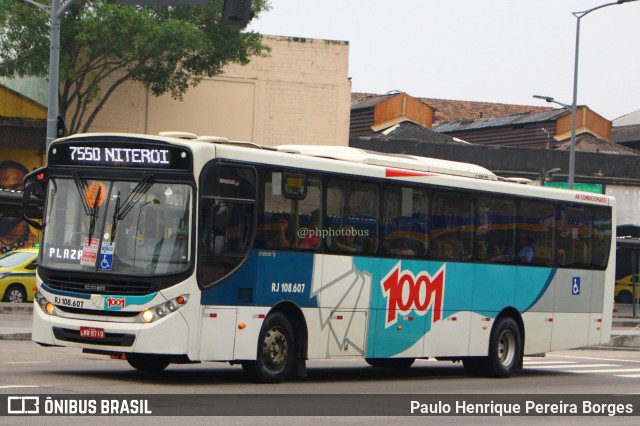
19,386
630,376
593,358
608,370
574,366
527,363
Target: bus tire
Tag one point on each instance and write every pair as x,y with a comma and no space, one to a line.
505,348
391,363
275,352
474,366
149,363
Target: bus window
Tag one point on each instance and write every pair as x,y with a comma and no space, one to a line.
351,219
452,227
308,213
573,235
534,245
405,221
600,236
226,221
495,233
284,212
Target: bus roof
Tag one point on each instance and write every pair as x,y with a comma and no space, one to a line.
400,161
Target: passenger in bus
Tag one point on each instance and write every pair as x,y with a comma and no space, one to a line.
278,237
495,253
310,238
447,251
347,240
525,252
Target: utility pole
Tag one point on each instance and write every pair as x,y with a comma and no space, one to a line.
55,12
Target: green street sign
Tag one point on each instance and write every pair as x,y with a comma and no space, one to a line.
585,187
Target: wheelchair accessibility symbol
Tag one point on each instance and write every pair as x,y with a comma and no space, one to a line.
106,261
575,286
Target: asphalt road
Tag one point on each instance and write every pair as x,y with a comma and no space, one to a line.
27,368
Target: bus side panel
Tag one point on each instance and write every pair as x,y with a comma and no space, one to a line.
415,299
318,331
449,337
493,290
217,334
538,327
246,343
572,308
393,331
601,318
596,321
535,300
342,290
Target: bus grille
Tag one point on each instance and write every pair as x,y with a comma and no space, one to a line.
119,314
103,287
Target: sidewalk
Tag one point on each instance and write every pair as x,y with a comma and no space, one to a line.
15,324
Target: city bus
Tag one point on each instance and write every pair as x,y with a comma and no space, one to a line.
178,249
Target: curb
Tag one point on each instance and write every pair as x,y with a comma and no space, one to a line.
16,308
16,336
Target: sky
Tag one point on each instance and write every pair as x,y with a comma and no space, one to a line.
502,51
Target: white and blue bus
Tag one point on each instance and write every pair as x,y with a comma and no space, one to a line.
177,248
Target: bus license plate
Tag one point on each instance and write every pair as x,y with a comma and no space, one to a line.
92,332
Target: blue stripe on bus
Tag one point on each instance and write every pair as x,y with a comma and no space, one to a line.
66,293
266,278
269,277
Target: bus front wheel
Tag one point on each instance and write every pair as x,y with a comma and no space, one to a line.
276,351
149,363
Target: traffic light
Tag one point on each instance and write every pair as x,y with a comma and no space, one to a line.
237,12
61,127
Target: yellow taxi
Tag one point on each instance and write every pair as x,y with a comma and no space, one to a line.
624,289
18,275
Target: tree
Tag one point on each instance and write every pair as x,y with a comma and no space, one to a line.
165,48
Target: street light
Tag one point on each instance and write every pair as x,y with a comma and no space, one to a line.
552,100
547,174
574,105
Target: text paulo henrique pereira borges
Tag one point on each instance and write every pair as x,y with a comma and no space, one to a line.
527,408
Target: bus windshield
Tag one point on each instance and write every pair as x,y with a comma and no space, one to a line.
117,227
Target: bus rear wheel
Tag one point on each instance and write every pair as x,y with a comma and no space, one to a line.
391,363
505,351
276,351
149,363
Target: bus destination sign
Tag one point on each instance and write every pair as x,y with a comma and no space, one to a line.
128,156
120,155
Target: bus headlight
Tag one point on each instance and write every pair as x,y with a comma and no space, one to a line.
164,309
48,307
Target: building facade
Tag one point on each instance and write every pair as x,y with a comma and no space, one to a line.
299,94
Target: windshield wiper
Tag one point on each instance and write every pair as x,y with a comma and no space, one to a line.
94,214
90,210
82,189
141,188
122,209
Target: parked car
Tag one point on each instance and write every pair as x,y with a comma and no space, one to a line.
624,290
18,275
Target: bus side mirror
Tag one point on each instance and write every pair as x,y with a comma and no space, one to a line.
35,184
